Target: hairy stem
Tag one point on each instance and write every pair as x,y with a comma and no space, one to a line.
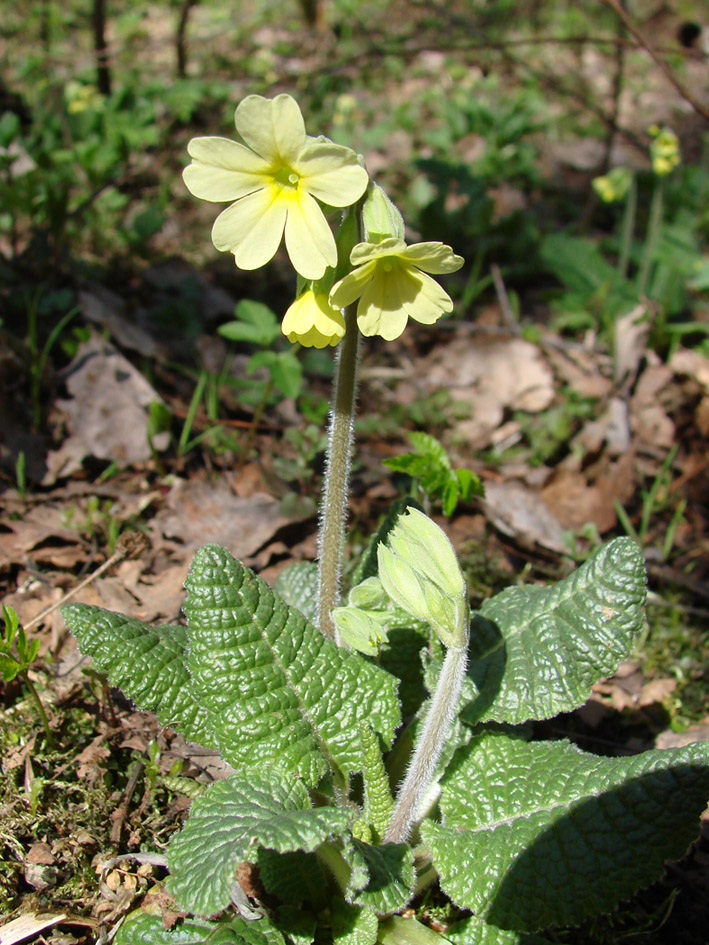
339,450
430,744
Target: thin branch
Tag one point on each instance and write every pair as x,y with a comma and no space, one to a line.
657,59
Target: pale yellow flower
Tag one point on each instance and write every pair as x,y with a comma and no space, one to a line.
312,321
274,178
391,284
614,185
664,150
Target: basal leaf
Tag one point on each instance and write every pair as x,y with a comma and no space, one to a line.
537,651
539,834
390,871
147,663
144,928
229,823
292,877
474,931
276,690
298,927
352,925
297,585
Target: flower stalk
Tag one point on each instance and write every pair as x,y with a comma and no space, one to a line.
333,514
430,745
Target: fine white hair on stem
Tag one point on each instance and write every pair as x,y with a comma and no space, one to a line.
430,745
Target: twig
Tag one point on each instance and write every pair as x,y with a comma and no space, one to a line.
507,314
117,555
121,812
657,59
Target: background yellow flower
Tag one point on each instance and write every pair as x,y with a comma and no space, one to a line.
274,179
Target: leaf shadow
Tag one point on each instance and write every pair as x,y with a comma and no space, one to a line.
487,653
599,851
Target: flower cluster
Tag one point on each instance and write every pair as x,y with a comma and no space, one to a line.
274,179
664,150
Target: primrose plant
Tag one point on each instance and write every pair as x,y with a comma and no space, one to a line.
380,745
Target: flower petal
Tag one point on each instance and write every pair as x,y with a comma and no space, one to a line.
380,311
309,239
331,173
352,286
273,128
364,252
222,170
313,322
251,228
422,297
435,258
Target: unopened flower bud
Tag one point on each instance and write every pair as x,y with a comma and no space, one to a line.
381,217
420,572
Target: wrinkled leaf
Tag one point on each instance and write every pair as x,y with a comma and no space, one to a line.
298,586
229,823
278,692
147,663
143,928
352,925
544,834
382,876
537,651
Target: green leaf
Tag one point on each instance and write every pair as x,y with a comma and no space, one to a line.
229,823
279,693
147,663
256,324
11,621
292,877
297,585
401,656
352,925
378,802
284,367
143,928
474,931
298,927
9,667
544,834
537,651
383,876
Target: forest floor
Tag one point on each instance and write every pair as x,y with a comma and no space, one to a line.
577,436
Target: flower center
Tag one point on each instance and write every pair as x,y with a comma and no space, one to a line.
287,178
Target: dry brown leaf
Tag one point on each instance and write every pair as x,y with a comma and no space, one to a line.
630,334
107,415
697,733
43,536
198,513
522,513
492,375
652,428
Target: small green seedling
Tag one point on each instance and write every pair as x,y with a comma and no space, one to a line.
431,470
17,654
